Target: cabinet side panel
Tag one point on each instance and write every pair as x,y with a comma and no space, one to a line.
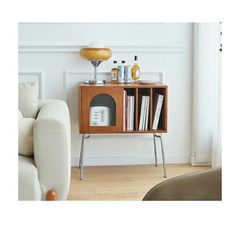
83,111
79,108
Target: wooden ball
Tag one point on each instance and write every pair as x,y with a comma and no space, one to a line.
51,195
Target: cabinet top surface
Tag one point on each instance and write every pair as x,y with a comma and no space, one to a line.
132,85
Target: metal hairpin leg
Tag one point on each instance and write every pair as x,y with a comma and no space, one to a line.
155,149
81,164
162,151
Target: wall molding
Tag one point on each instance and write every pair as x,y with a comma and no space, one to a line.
101,160
124,136
68,72
193,162
41,79
28,47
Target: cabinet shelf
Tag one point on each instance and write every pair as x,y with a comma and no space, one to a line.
111,108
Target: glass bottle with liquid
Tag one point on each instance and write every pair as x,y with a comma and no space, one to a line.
135,69
114,73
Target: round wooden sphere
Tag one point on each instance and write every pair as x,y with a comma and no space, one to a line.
51,195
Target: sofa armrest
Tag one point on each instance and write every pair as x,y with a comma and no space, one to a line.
52,147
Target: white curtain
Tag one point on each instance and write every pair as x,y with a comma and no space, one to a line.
217,144
206,138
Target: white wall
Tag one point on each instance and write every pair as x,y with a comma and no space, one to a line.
50,53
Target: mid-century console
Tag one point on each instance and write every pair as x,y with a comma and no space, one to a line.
105,102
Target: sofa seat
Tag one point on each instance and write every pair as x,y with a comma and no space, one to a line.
28,179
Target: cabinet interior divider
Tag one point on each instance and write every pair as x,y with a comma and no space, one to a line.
136,109
150,109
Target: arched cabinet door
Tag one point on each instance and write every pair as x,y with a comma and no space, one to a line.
100,109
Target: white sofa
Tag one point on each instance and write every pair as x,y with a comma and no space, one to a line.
48,170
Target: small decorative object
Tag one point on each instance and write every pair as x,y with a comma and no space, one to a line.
148,81
95,53
151,78
99,116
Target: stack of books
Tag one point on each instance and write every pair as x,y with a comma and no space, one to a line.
144,113
128,119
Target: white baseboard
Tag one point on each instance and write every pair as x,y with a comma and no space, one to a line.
130,160
194,163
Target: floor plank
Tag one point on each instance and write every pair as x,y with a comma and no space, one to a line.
121,182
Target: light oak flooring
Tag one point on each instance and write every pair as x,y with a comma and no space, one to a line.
121,182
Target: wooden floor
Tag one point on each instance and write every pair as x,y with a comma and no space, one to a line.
121,182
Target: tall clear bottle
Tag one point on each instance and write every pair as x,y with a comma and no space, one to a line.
135,69
114,73
121,72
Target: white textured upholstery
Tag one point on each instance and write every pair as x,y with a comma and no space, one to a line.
52,147
20,116
49,169
28,99
25,136
29,187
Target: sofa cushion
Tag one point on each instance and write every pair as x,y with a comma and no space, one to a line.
25,136
28,99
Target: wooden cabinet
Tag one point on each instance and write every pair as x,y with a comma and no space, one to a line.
97,100
112,96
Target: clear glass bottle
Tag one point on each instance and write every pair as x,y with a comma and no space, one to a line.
135,69
114,73
121,72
